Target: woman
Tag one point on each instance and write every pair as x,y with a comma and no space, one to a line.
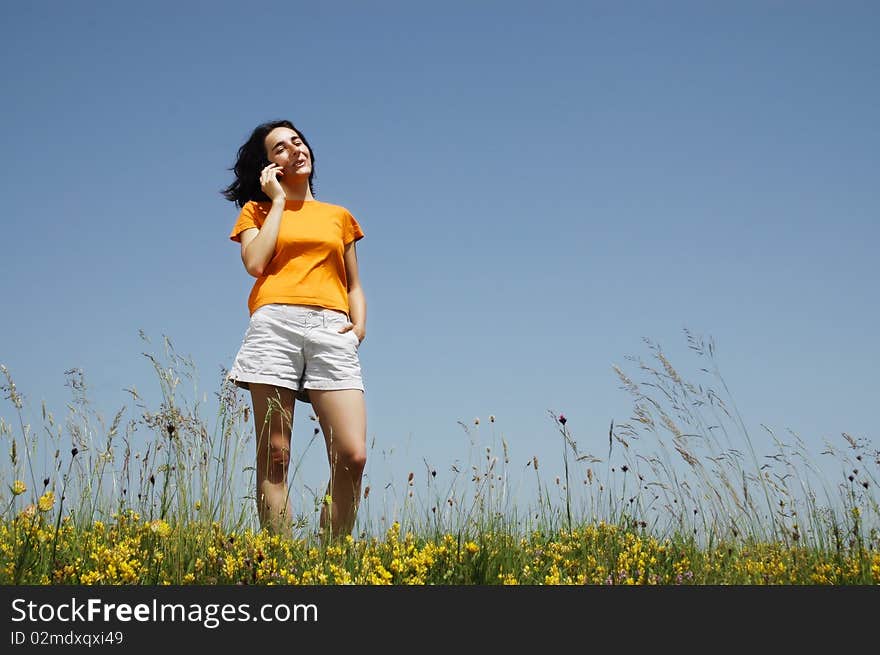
307,319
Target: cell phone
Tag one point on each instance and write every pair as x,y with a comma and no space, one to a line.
265,163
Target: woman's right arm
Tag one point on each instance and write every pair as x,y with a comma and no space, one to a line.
258,244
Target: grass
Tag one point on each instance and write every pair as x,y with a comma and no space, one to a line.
683,495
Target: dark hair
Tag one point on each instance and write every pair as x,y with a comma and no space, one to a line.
252,159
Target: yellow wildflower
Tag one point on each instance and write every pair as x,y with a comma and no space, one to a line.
160,527
18,488
46,502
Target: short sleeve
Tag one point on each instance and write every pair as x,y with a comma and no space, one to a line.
249,217
352,230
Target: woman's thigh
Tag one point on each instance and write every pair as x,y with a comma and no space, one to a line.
273,412
343,417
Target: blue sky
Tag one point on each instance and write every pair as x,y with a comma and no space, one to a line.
541,185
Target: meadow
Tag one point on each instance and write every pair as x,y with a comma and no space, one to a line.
684,495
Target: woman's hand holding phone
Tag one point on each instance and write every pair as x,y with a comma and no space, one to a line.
269,182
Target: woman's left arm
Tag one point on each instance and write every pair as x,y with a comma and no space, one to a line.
357,303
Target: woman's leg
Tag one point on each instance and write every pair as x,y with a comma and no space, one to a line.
343,417
273,419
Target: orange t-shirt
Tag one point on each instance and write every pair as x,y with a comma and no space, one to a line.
307,267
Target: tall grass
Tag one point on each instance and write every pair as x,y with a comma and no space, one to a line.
704,473
97,472
684,470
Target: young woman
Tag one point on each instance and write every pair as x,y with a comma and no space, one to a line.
308,318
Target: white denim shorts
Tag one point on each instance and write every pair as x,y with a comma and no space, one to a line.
298,347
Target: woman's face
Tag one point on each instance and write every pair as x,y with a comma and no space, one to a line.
285,148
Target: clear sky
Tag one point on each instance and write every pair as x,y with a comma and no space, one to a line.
541,185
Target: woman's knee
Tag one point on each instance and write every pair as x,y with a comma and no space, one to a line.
353,460
273,458
357,462
279,452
